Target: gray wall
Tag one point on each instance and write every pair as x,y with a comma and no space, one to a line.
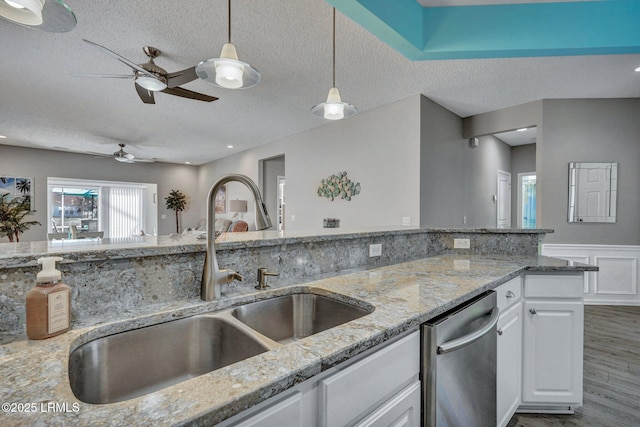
593,130
456,182
519,116
578,130
378,148
40,164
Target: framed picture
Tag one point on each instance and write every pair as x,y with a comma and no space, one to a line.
20,188
221,200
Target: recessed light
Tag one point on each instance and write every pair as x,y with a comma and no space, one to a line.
637,70
521,130
3,137
187,163
229,146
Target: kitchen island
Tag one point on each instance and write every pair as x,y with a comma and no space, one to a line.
404,295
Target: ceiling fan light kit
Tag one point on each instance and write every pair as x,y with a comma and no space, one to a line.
46,15
227,71
150,78
334,108
151,83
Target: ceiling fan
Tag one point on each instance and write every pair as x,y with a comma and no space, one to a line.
150,78
123,156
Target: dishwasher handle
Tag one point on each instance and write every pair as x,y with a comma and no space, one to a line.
453,345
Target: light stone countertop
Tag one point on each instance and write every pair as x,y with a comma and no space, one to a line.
404,296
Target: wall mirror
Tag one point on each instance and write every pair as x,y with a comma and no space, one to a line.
593,191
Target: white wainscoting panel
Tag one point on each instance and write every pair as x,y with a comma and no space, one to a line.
616,282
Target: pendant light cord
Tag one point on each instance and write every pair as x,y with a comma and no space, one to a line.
334,47
229,23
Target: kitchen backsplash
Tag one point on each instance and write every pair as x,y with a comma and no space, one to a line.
102,285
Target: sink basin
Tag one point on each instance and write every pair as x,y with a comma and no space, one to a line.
133,363
291,317
136,362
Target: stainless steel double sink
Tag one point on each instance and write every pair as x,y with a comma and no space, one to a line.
136,362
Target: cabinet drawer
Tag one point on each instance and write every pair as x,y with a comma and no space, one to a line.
509,293
357,389
403,410
553,285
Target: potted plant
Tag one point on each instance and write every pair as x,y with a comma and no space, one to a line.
176,201
12,213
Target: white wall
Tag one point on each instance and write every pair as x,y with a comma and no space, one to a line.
378,148
40,164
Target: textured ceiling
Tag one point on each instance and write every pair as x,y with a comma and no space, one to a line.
44,106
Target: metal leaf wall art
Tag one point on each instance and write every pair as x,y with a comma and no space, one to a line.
338,185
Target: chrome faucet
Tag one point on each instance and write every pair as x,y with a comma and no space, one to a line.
212,276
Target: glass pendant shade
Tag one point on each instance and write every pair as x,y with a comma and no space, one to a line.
52,16
227,71
149,83
27,12
334,108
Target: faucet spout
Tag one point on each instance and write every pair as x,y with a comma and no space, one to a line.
213,277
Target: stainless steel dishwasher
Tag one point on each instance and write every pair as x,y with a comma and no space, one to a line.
459,365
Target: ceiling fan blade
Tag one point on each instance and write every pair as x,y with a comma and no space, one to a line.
94,154
144,94
181,77
121,59
178,91
138,160
105,76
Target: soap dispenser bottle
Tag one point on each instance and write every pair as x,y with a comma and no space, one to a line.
48,303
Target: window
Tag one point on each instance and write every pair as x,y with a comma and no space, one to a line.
118,209
74,206
527,200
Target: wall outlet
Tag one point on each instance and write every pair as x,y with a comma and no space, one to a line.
163,216
375,250
406,220
461,244
293,218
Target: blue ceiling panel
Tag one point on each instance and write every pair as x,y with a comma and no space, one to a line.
500,31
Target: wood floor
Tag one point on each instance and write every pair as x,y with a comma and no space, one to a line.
611,373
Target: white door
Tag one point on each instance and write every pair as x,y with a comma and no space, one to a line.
594,186
503,200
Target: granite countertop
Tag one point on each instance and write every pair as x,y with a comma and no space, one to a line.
24,254
404,296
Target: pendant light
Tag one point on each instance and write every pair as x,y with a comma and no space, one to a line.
227,71
334,108
47,15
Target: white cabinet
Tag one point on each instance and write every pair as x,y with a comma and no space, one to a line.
509,354
287,412
553,327
403,410
379,388
368,383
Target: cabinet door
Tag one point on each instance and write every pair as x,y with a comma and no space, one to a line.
287,412
509,364
553,348
402,410
360,388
